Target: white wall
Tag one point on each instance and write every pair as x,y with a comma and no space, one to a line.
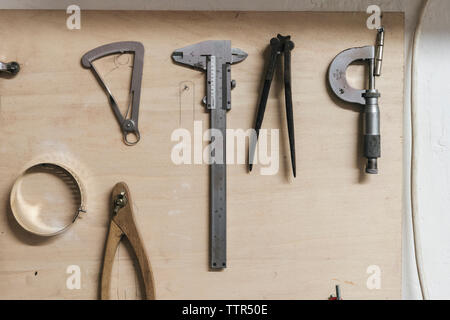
433,145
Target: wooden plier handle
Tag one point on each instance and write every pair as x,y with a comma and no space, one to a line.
123,224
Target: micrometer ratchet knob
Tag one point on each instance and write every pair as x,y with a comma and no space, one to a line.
372,141
379,52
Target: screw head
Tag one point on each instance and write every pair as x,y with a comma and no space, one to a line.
120,201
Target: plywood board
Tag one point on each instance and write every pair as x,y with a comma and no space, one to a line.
287,238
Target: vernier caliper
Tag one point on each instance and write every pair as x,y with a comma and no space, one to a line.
215,57
373,57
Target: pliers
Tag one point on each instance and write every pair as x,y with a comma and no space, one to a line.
123,224
278,45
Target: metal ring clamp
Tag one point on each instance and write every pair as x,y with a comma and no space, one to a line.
26,220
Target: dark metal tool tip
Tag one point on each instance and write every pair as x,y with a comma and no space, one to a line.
372,166
13,68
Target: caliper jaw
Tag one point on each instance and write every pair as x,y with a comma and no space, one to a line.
195,55
198,56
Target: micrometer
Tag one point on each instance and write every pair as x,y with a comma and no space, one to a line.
373,57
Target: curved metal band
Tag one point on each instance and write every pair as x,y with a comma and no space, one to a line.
54,168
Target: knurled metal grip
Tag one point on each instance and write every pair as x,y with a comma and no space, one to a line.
372,140
372,146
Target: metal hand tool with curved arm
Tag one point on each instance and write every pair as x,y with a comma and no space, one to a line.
123,225
278,45
373,57
128,126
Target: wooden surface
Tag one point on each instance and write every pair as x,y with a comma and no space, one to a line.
287,239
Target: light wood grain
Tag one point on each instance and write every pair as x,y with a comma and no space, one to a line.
287,239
